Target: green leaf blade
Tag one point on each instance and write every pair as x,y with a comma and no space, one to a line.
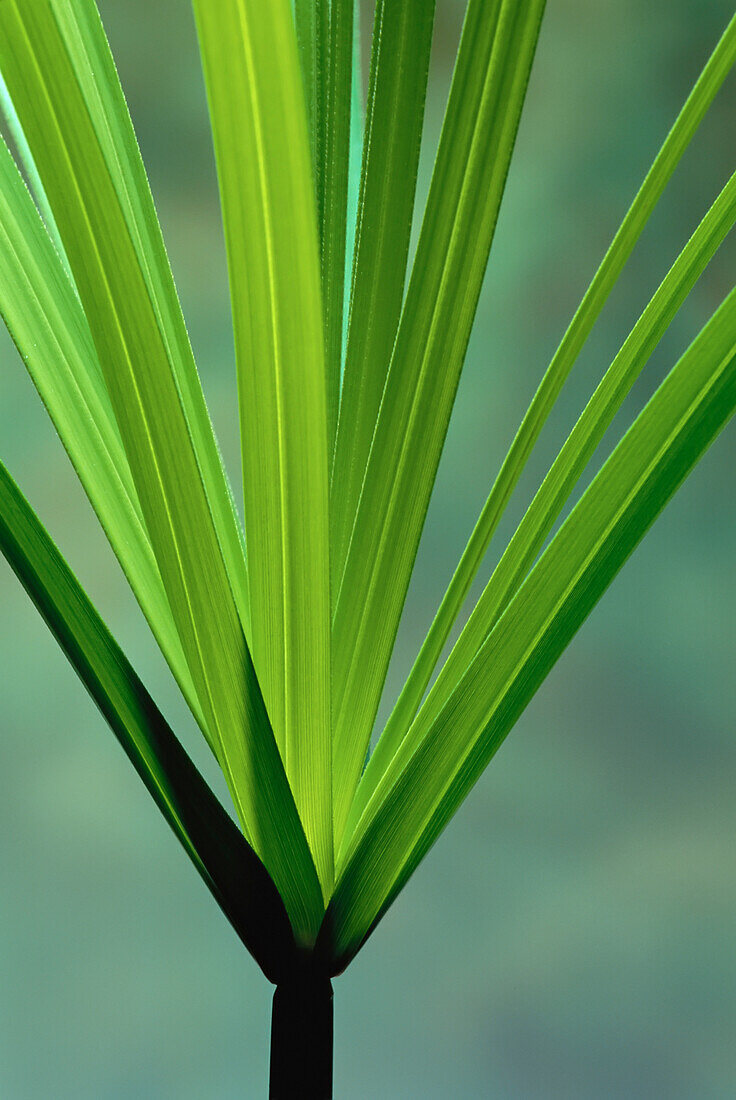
483,113
46,322
432,773
47,50
705,89
226,863
335,205
357,129
312,23
262,153
94,68
555,490
8,112
402,40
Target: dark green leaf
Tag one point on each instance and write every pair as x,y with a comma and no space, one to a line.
227,864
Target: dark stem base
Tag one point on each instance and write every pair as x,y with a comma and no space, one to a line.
301,1039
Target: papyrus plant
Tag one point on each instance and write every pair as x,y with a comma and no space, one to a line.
280,635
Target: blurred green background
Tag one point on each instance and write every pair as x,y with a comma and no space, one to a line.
572,934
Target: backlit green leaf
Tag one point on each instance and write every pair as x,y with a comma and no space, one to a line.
55,60
439,760
262,150
402,37
335,204
46,321
480,127
312,21
357,126
529,537
666,161
12,122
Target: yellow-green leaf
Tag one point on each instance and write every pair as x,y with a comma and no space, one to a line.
262,150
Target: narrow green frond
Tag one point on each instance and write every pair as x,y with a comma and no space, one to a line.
554,378
338,110
312,21
81,30
56,63
555,490
483,113
439,762
15,131
228,866
46,321
402,38
357,127
262,151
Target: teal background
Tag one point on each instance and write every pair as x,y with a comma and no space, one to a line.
572,933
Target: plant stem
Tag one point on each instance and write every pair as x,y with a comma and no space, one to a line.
301,1039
